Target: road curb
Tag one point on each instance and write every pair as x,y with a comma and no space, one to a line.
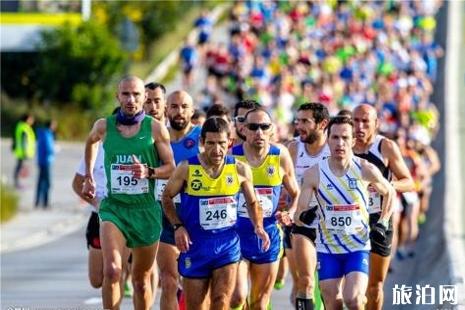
74,222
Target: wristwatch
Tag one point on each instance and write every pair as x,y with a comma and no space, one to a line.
177,226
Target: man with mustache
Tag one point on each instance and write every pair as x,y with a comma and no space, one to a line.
311,148
184,138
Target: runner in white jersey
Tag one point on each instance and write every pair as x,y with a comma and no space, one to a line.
92,232
340,184
310,149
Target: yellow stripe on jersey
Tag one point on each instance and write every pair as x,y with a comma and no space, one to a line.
268,173
199,183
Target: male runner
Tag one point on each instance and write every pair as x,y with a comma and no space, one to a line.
130,215
271,168
340,185
311,148
386,156
184,138
240,109
204,224
155,104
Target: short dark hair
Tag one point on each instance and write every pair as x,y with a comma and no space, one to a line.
214,124
320,111
345,112
155,85
197,114
338,120
255,110
218,110
245,104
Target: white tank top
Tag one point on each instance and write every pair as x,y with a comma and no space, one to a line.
303,161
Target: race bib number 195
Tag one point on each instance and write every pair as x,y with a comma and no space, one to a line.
123,182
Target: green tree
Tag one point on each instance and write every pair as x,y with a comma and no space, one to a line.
78,64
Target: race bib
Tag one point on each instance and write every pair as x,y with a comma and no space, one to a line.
265,197
346,219
217,213
374,200
123,182
160,188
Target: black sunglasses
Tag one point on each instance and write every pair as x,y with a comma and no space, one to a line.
254,127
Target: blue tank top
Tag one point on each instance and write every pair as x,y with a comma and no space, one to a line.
209,206
187,146
267,181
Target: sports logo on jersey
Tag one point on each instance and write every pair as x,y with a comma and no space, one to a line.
353,184
229,179
189,143
329,186
197,173
187,262
196,185
270,170
301,154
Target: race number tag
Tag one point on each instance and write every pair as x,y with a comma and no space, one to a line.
265,197
160,188
123,182
217,213
346,219
374,200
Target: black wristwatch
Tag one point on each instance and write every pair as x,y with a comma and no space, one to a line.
177,226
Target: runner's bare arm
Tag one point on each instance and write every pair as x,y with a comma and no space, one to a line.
403,180
253,206
372,174
96,134
292,147
91,148
173,187
78,185
309,185
162,143
289,180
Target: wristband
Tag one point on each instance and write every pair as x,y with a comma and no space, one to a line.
177,226
151,173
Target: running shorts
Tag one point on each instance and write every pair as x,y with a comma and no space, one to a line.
93,231
335,266
310,233
140,225
251,246
204,256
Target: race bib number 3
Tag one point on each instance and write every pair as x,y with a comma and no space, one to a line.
345,219
374,200
123,182
265,197
217,213
160,188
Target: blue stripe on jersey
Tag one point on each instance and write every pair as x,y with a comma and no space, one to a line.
341,243
357,239
320,233
360,192
238,150
357,164
337,189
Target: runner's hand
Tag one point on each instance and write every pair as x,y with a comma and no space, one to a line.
261,233
139,171
284,218
378,233
308,216
88,190
182,239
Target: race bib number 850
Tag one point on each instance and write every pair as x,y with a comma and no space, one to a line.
344,218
